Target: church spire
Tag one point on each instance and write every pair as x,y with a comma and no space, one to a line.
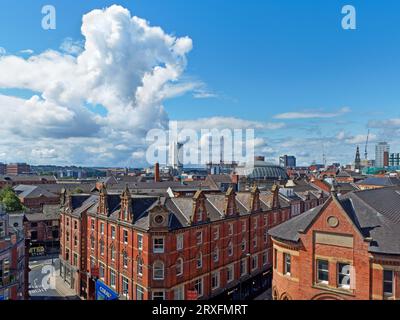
357,162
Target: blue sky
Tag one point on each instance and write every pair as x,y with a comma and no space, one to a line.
276,61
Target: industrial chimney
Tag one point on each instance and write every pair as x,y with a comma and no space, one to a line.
157,172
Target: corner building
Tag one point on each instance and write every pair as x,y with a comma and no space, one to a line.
346,249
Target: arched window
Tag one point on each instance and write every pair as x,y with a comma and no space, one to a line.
125,259
179,267
274,294
158,270
230,249
112,253
140,266
102,247
199,260
216,254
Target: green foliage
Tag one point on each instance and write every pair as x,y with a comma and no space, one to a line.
4,192
10,200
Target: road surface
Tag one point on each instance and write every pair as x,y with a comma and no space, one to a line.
42,279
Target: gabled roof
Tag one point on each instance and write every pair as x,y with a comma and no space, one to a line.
266,198
214,181
375,214
290,230
381,181
49,212
33,191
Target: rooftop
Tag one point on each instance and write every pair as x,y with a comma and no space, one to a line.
376,214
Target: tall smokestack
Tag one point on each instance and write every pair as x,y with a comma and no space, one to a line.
157,172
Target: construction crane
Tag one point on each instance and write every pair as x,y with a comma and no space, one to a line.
366,147
323,155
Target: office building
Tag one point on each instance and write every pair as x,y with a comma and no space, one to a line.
382,150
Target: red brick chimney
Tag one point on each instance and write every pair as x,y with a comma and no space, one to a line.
157,172
235,178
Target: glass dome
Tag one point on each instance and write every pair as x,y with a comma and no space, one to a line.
267,171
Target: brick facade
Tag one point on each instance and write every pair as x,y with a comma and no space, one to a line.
332,239
127,256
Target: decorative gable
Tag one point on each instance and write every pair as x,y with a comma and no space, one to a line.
103,203
199,213
230,207
126,213
255,204
158,216
275,197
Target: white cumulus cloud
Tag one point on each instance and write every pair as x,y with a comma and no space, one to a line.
123,64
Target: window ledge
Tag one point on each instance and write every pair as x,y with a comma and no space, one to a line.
325,287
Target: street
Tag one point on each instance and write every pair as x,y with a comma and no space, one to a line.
266,295
42,279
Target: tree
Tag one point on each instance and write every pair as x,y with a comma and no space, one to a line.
4,192
10,200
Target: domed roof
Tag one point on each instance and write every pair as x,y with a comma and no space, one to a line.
264,170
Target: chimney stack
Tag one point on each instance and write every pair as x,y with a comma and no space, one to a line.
157,172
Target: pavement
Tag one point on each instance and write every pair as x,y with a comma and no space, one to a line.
45,282
266,295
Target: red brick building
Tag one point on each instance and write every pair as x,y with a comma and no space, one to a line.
14,169
13,262
43,229
348,248
34,198
147,247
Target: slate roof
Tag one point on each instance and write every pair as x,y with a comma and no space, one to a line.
290,230
49,212
376,214
266,200
151,186
33,191
381,181
22,178
56,188
180,209
87,203
344,187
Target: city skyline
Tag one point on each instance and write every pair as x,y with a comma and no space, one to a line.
302,81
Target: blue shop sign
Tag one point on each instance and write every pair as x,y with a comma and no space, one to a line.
104,292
